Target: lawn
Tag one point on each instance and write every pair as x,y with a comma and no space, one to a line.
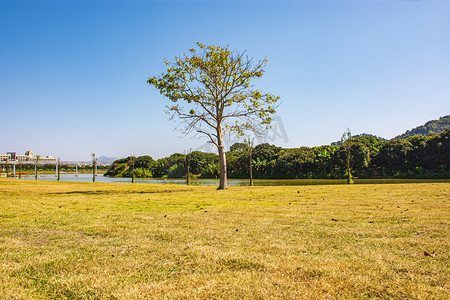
63,240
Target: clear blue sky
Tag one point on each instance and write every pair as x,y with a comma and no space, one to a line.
73,73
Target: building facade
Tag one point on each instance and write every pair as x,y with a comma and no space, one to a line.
27,158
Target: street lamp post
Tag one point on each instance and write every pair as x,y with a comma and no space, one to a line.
94,166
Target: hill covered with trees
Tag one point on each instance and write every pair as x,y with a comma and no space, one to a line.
434,126
338,143
371,157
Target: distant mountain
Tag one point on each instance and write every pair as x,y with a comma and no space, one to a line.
106,158
338,143
434,126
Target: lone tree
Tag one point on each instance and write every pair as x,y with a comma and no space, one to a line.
218,98
346,141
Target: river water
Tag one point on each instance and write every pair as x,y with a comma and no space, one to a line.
231,182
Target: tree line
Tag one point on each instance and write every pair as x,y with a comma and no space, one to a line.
369,157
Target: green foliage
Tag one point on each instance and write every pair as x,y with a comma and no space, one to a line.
415,157
165,166
296,163
238,147
392,157
215,78
143,173
266,152
211,170
237,164
418,157
359,136
143,167
145,162
176,171
431,127
174,166
200,162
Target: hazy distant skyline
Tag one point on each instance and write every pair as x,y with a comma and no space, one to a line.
73,73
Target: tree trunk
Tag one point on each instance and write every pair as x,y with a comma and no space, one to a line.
132,171
251,173
188,178
222,165
222,157
93,172
349,175
348,171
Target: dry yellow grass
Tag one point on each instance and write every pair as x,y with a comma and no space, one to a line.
66,240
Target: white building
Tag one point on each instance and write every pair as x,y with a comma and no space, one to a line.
28,157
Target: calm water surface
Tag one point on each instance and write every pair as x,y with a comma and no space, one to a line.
231,182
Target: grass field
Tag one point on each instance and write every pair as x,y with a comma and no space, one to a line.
61,240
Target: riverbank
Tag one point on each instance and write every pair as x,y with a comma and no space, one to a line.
81,240
87,177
